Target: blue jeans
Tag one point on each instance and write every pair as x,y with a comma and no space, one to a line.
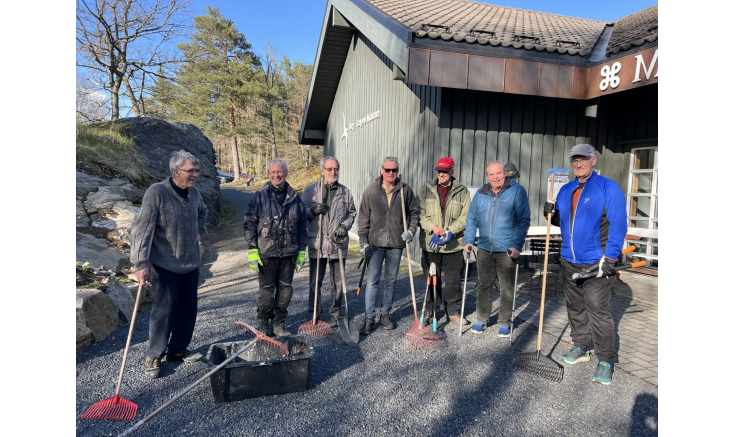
392,259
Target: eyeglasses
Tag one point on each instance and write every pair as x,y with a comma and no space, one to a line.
195,170
580,161
275,172
390,170
443,171
332,170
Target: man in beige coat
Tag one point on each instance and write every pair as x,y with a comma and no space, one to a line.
443,206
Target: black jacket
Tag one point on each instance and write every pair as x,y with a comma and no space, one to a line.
380,225
277,230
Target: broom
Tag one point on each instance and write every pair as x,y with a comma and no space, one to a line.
534,362
317,328
418,337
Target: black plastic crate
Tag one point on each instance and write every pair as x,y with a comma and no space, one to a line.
262,370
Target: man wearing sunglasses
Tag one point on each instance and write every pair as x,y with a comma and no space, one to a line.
443,206
164,248
380,223
332,203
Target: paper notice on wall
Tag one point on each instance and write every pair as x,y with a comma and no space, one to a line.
561,177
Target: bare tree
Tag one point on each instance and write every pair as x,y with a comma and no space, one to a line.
273,89
124,40
91,102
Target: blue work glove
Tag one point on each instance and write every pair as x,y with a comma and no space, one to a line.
434,243
445,238
300,260
407,236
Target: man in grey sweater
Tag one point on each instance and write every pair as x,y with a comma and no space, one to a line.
165,249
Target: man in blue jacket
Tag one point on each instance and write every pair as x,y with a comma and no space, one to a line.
500,210
590,211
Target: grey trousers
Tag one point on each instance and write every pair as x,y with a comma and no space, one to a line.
489,266
588,309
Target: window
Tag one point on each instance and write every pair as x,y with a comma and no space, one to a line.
643,201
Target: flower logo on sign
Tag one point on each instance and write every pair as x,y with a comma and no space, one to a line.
609,75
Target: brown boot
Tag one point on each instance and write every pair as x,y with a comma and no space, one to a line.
456,319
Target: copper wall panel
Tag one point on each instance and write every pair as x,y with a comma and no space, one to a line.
448,70
529,78
418,66
566,75
485,74
548,80
579,87
513,71
593,81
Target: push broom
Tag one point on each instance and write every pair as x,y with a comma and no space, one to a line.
314,327
536,363
419,336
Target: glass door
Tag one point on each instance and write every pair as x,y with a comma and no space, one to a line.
643,201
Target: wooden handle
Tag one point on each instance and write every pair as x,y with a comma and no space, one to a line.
628,249
638,264
546,265
408,255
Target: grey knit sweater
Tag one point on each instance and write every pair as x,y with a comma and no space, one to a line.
176,222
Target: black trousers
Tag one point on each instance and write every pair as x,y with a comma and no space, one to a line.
275,276
453,266
588,309
335,278
173,312
489,266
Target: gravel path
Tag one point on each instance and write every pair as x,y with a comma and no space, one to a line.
467,387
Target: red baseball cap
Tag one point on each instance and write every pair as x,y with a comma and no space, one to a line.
445,163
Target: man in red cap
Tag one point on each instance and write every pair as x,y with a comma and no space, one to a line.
443,206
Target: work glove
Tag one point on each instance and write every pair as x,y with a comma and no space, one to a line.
445,238
300,260
318,209
434,243
364,249
549,208
339,234
607,267
407,236
254,259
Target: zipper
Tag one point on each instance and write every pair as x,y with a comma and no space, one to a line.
574,220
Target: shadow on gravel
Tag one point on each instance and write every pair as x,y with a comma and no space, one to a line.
644,418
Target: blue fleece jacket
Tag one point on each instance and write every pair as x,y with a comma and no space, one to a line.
503,220
599,224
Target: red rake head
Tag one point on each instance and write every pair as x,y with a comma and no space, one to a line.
114,408
260,336
316,328
421,337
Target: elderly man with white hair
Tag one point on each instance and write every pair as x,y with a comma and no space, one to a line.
164,248
275,231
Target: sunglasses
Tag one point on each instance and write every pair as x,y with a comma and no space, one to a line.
390,170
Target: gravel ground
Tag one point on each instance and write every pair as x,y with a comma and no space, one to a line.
466,387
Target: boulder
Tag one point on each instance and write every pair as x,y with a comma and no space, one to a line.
82,217
100,313
120,296
158,139
84,334
98,252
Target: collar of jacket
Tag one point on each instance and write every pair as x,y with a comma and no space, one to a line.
170,189
592,177
488,189
455,186
290,193
398,185
320,186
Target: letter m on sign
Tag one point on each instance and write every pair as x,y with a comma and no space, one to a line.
639,63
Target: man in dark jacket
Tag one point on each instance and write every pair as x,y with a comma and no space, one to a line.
275,230
590,211
382,238
443,206
500,211
332,203
164,247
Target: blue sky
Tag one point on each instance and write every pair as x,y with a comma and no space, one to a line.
294,26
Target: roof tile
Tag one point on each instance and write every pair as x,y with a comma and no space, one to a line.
634,30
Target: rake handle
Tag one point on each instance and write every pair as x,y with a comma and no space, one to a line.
546,265
318,255
464,291
187,389
408,255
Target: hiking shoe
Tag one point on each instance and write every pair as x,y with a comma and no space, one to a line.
186,356
152,367
264,327
279,329
387,322
457,318
478,327
575,355
604,373
367,328
504,331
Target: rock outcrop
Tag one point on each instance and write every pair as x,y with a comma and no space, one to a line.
99,312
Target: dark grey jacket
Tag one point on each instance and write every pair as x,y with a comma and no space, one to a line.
380,225
277,231
342,212
176,222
